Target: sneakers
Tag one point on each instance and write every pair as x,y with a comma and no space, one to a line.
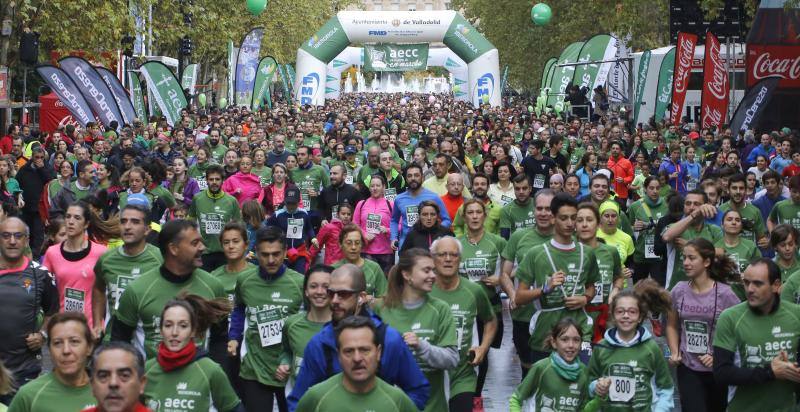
477,404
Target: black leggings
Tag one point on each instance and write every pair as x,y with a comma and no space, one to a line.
461,402
699,392
483,368
649,268
258,397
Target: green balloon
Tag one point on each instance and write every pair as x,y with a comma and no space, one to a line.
256,7
541,14
223,102
485,98
201,98
456,89
530,109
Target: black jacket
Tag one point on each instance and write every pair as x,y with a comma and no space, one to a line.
422,238
333,196
32,181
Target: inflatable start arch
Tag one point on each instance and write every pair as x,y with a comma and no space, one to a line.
447,26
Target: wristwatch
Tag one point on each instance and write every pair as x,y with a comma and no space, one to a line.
43,333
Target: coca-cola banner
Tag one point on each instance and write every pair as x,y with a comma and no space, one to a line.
766,61
684,52
714,100
753,104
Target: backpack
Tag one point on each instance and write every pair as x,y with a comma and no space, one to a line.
381,331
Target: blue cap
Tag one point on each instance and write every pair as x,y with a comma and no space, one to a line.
139,199
350,150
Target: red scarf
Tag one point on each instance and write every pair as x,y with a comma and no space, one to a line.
170,361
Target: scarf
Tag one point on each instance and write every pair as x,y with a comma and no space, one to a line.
568,371
651,202
170,361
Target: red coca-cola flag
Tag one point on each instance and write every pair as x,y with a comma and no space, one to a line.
683,67
714,99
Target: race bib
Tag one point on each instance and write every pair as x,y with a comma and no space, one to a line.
201,182
390,194
213,225
335,212
598,295
263,181
294,229
304,198
696,336
650,247
348,179
374,223
506,199
122,284
538,181
74,300
476,268
412,214
623,383
691,185
270,327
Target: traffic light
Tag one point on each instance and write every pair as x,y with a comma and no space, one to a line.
186,46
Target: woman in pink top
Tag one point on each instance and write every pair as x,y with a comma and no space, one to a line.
374,215
328,236
72,263
243,185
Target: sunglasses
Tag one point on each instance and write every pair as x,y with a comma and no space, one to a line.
342,293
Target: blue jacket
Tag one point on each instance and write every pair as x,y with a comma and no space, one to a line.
403,201
281,220
398,366
768,152
678,183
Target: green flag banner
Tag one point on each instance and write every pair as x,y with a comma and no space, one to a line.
562,75
137,96
264,75
166,90
547,72
189,77
290,76
328,41
463,39
664,90
504,79
641,80
601,47
395,57
282,75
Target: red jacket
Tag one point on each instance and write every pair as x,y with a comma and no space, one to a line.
623,168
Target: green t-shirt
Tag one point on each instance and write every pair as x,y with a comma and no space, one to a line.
267,305
79,193
218,152
786,211
609,266
634,371
787,271
790,291
373,274
433,322
212,213
549,391
757,339
645,239
298,331
467,302
198,172
228,279
314,178
194,387
482,260
580,266
753,215
117,270
519,244
46,393
743,253
143,301
331,396
515,216
675,272
264,174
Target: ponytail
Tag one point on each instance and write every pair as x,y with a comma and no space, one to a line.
202,312
722,268
649,295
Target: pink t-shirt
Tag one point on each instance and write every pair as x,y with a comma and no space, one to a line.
74,279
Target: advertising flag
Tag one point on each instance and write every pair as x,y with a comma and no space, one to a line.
189,77
290,76
562,75
266,71
165,90
641,80
504,79
601,47
233,52
282,74
547,71
664,88
714,99
246,66
753,104
137,96
94,89
67,91
120,95
683,68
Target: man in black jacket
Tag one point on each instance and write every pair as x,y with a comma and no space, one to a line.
32,178
337,193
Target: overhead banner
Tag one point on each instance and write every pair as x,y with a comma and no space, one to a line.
246,66
753,104
395,57
120,95
67,91
165,90
137,96
714,98
233,52
599,48
266,71
664,89
562,75
547,71
94,89
641,80
189,77
683,68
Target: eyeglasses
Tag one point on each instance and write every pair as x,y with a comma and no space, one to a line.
342,293
16,235
622,311
447,255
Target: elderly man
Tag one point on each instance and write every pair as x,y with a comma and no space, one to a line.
454,197
468,301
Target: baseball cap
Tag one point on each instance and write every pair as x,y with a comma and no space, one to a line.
292,195
139,199
694,135
350,150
